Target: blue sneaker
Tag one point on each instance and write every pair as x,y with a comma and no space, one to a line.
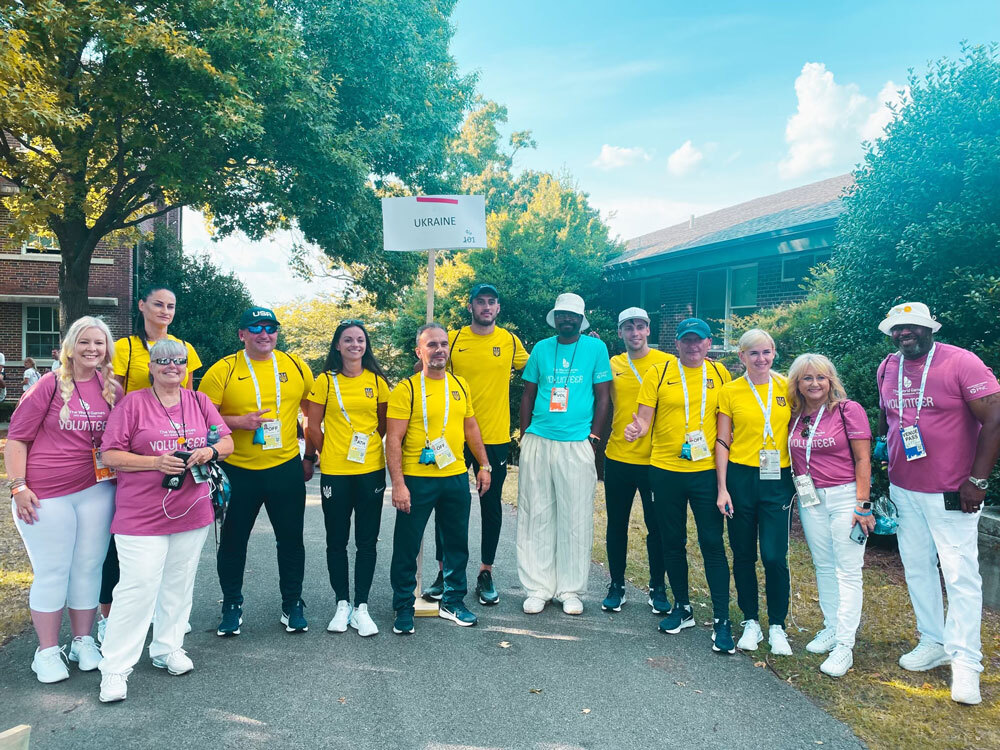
485,589
615,599
293,617
680,617
232,618
722,637
458,614
435,591
658,600
404,622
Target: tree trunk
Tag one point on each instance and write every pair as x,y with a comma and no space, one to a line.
77,248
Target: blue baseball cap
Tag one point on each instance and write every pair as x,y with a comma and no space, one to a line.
696,326
257,315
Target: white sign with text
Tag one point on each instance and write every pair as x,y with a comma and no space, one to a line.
434,222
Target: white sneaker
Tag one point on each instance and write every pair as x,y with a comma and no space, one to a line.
49,664
85,652
362,622
102,627
572,605
926,655
533,605
752,635
778,641
176,662
965,685
838,662
339,622
824,642
187,628
114,686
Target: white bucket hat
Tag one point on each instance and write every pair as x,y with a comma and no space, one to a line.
568,302
632,313
914,313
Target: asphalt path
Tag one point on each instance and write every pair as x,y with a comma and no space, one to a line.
542,682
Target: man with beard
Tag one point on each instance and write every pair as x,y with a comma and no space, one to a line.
484,355
940,416
565,403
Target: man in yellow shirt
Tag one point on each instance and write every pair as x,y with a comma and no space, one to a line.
259,392
680,401
485,355
430,421
626,465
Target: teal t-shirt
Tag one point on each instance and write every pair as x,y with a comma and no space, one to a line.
578,366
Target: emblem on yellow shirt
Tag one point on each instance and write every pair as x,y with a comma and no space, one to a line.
283,377
369,392
780,400
496,351
456,396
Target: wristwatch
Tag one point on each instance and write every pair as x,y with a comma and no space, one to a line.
215,453
982,484
865,505
310,457
594,439
486,467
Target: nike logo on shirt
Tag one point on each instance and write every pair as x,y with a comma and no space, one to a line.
464,350
242,377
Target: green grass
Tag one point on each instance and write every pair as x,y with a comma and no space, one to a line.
886,706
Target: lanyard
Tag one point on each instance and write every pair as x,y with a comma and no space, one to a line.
90,422
768,430
809,438
256,387
181,436
634,371
923,383
423,399
555,363
704,394
340,400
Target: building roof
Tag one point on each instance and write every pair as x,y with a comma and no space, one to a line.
819,201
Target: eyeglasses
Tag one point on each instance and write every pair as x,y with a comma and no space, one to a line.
164,361
265,327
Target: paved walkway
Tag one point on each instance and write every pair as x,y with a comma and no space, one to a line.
548,682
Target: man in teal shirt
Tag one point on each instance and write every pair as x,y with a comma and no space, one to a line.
567,386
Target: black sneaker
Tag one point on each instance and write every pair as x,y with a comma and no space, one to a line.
680,617
485,589
658,600
404,622
722,637
436,590
232,618
293,617
458,614
615,599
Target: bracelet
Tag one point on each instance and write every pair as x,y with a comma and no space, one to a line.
862,515
20,488
15,481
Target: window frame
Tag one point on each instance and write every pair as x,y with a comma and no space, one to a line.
813,262
727,328
24,331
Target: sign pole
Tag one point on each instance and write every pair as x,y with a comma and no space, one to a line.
431,262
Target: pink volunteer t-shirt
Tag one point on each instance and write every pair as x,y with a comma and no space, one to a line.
140,425
947,426
831,462
60,458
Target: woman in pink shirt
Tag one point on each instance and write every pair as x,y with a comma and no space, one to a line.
829,441
159,528
62,496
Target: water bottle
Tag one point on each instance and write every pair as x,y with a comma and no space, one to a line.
213,435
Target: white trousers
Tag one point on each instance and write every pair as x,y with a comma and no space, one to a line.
157,573
837,558
67,546
555,516
928,534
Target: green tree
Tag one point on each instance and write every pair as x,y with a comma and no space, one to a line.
260,112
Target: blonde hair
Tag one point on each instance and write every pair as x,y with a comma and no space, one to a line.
752,337
29,362
65,374
821,365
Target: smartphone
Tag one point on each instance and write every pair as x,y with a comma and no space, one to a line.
858,534
952,501
174,481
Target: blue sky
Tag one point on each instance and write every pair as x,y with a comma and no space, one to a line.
660,110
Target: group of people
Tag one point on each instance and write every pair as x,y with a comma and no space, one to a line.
684,431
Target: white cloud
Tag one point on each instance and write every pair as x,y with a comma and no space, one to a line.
684,160
831,121
632,216
614,157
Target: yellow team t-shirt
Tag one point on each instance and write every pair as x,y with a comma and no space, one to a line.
405,403
131,362
737,401
662,390
361,395
624,390
486,363
229,386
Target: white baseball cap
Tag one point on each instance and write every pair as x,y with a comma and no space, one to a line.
632,313
568,302
914,313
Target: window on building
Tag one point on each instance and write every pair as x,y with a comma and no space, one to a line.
41,331
798,267
41,244
723,292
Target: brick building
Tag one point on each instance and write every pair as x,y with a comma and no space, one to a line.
730,262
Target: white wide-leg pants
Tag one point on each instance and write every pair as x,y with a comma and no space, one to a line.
555,516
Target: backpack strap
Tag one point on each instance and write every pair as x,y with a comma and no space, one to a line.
128,365
513,349
451,362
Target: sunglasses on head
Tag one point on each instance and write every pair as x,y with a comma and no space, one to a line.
265,327
352,322
167,360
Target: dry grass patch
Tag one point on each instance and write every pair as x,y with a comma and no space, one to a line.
887,707
15,570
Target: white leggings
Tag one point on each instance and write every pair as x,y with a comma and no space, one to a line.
67,546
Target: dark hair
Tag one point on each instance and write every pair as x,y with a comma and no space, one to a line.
335,363
139,324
